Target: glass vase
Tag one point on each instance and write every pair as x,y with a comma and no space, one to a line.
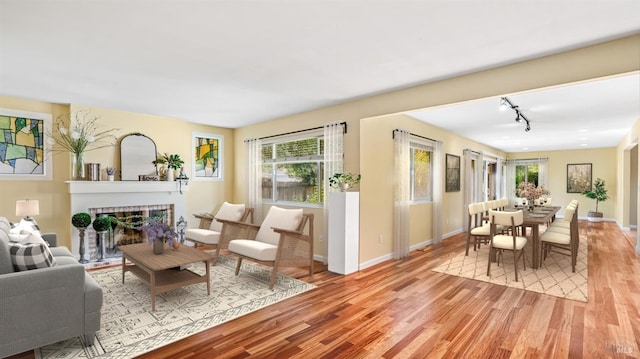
77,167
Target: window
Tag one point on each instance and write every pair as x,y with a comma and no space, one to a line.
292,170
526,172
421,169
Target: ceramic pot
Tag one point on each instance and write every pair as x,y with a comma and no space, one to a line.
175,244
158,247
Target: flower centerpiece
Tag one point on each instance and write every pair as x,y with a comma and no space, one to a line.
158,232
77,135
531,192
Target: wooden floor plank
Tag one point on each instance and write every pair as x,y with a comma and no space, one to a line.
402,309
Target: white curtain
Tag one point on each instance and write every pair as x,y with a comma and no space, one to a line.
510,179
438,189
333,163
254,177
543,170
473,181
402,194
499,183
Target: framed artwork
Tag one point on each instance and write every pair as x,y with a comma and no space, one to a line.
578,177
24,152
453,173
207,157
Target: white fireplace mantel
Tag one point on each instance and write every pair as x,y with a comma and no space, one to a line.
87,195
76,187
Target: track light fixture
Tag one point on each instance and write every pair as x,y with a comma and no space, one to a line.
504,103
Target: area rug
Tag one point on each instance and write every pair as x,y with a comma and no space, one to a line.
130,328
553,276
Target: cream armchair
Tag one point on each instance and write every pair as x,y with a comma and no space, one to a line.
279,241
212,232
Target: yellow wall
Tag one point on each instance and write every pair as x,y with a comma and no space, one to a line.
628,171
602,166
361,153
607,59
377,166
170,135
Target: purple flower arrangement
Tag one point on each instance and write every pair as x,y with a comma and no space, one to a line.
158,230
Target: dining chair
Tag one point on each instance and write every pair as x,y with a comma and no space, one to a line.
279,241
212,232
562,240
506,242
476,227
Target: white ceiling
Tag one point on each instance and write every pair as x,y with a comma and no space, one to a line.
235,63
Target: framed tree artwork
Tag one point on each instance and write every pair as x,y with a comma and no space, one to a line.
208,157
578,177
453,173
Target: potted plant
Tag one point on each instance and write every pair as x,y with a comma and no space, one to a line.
81,221
102,224
344,181
599,193
173,162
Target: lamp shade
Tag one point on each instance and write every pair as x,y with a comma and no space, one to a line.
27,207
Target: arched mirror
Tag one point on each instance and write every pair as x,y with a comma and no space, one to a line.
137,153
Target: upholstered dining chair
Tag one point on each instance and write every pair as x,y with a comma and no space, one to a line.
476,228
212,232
506,242
279,241
562,240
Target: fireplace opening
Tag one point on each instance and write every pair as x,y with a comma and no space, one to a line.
124,229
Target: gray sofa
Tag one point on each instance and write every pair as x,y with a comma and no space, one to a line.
43,306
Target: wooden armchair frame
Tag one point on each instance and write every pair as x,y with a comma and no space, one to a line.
226,233
287,253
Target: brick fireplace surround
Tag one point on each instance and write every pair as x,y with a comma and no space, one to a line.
96,197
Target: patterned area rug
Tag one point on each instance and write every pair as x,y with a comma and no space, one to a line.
129,328
553,277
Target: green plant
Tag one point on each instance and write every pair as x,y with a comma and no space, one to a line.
338,179
173,161
599,193
81,220
101,224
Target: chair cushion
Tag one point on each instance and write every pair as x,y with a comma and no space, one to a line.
482,230
555,237
232,212
254,249
205,236
279,218
555,229
506,242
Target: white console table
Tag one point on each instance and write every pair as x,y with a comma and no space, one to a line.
344,232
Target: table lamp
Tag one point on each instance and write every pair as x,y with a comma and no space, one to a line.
27,208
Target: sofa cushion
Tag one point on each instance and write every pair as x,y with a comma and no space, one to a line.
27,226
6,266
30,256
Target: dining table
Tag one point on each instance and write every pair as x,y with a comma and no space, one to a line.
540,215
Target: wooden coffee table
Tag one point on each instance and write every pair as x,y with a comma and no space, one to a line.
162,272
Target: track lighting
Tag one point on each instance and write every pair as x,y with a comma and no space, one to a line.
504,103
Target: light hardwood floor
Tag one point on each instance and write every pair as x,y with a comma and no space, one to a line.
402,309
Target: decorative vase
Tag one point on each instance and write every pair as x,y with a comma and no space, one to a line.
171,174
158,246
175,244
344,187
111,178
77,167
